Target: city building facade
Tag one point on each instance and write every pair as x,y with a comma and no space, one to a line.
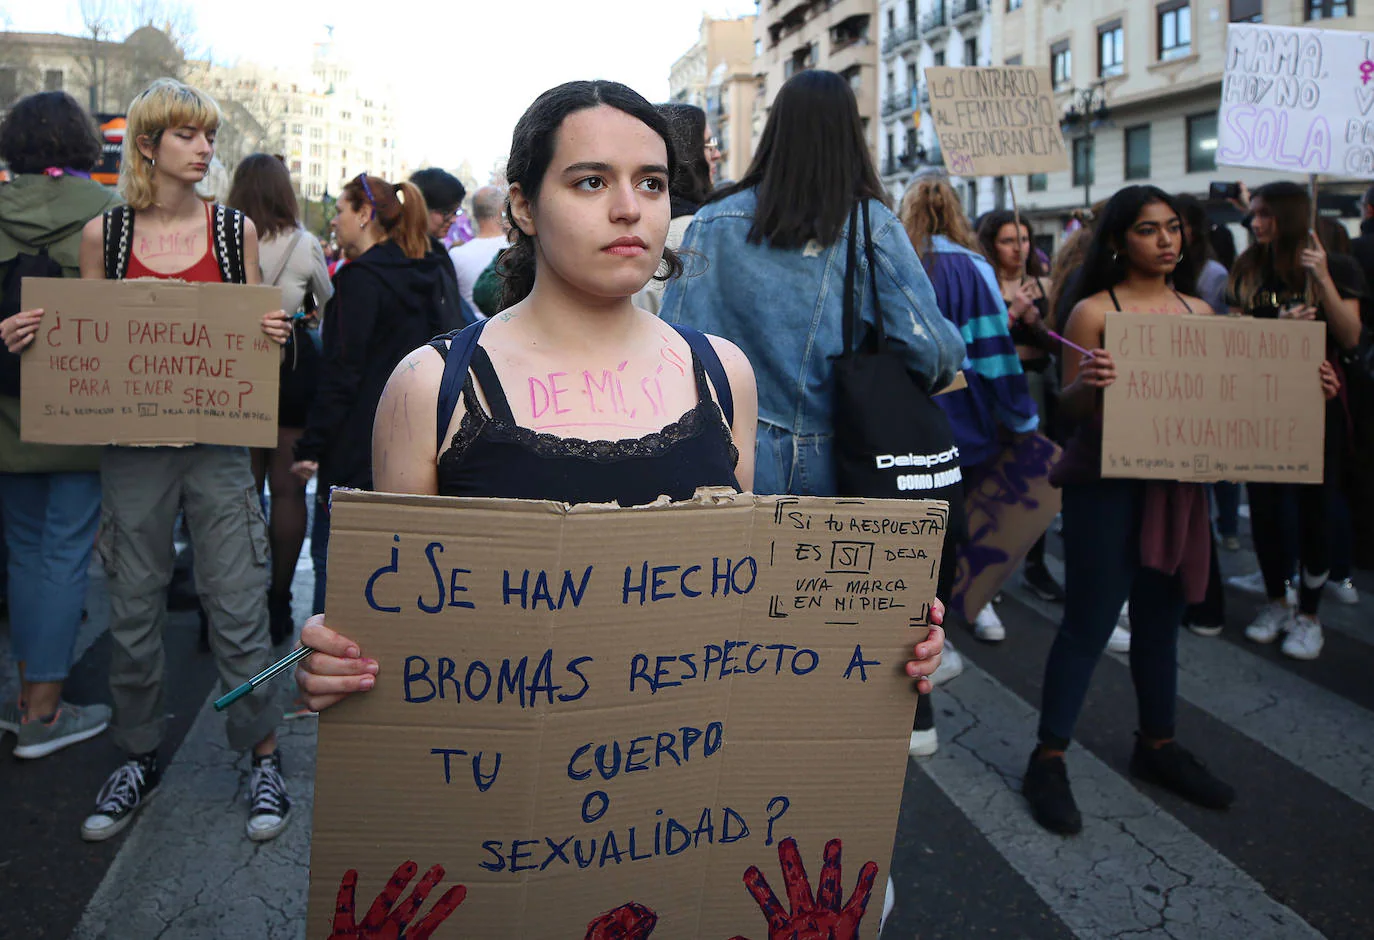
327,125
1140,84
717,75
839,35
915,35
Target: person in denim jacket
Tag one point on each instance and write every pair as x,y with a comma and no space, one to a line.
766,261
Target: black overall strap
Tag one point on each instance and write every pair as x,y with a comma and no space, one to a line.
456,362
1115,303
849,323
715,369
490,383
1181,300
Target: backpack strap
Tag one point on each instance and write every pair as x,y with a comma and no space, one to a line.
228,228
118,229
461,344
715,370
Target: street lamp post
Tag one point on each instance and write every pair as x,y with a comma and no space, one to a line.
1086,114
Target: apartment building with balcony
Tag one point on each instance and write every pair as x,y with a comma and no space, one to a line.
716,74
839,35
913,36
1150,73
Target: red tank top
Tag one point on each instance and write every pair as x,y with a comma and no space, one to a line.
206,268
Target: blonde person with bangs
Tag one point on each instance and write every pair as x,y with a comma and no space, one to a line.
166,231
997,401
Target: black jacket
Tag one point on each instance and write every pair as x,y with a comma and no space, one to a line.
384,306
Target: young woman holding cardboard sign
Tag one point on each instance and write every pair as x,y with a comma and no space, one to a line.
1287,273
167,231
1114,530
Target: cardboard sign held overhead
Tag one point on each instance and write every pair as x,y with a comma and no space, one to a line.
597,719
149,362
1214,398
1297,99
996,121
1009,506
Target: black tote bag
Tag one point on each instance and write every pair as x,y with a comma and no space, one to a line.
891,439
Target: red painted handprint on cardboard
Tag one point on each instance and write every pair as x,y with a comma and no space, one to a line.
811,918
384,923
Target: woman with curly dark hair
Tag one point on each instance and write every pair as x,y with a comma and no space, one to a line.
49,496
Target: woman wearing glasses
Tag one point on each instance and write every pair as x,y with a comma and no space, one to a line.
383,307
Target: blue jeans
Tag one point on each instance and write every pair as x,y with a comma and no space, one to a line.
800,465
319,551
1101,570
50,523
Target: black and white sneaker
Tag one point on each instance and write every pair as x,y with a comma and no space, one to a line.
267,792
124,793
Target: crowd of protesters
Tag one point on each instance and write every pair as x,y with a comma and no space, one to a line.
646,251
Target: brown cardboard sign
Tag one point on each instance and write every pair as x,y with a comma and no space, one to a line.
1202,398
597,718
1009,505
149,362
996,121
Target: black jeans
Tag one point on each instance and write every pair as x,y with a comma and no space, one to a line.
1314,544
1101,570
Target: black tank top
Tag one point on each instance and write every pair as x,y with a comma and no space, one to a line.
491,455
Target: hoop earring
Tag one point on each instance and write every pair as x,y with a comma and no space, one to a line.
1116,258
152,161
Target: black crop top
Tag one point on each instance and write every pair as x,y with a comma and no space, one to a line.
492,455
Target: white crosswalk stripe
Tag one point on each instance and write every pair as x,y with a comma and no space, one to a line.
1134,868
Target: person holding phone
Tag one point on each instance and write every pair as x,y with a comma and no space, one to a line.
1287,273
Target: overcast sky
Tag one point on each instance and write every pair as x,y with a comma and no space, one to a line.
463,70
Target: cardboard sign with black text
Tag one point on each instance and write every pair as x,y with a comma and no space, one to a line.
996,121
1202,398
149,362
602,720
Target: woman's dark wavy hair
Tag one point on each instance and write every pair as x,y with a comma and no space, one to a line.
687,123
988,230
49,129
1105,264
531,151
1194,215
812,163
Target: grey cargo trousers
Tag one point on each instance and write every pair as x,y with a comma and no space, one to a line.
142,489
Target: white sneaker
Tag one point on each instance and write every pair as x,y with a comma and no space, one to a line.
951,665
1274,618
1290,592
889,902
1345,591
987,626
1120,641
1304,639
1252,583
924,743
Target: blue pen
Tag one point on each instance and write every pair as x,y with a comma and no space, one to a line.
224,701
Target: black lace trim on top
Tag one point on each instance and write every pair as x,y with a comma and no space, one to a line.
543,444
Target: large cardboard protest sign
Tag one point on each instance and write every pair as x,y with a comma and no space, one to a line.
996,121
1297,99
149,362
1009,505
593,717
1214,398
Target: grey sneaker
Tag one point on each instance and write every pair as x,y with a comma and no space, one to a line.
11,713
70,725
